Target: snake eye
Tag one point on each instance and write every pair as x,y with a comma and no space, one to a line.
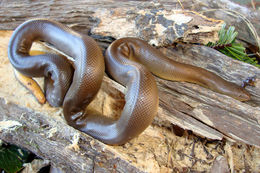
244,96
124,49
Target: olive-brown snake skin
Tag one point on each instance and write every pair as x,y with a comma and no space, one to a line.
75,89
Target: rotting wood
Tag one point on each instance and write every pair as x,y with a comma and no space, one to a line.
80,14
234,15
217,111
147,20
52,139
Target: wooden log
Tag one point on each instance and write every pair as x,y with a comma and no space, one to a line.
234,15
118,19
80,15
214,109
53,140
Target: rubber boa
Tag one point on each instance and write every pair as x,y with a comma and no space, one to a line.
75,85
166,68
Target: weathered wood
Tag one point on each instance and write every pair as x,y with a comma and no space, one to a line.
217,111
80,15
234,15
150,22
24,128
77,13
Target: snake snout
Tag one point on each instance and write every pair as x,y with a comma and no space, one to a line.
244,96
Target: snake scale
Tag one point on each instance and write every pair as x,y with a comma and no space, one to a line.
129,61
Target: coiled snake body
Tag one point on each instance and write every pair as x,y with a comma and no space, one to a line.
74,90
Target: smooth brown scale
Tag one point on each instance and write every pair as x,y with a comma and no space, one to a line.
124,59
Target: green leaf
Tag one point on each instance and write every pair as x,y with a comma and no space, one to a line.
237,51
222,32
232,37
12,158
210,44
236,56
227,45
238,47
229,34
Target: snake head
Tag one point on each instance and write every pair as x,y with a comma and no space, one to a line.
240,94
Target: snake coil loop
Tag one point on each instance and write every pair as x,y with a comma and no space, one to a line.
75,88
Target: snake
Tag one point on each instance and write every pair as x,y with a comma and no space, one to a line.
130,61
